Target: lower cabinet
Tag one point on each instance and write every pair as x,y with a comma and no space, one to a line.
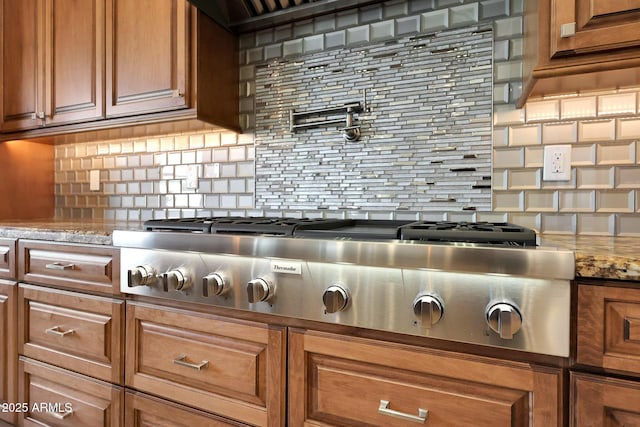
232,368
602,401
143,410
8,350
346,381
51,396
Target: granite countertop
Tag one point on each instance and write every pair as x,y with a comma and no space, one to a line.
596,256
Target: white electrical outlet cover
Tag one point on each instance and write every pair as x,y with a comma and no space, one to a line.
557,163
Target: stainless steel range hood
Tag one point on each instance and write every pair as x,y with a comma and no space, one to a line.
241,16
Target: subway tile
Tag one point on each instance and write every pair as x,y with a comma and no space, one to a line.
541,201
577,201
628,128
618,104
346,19
583,155
499,180
595,178
336,39
505,201
619,201
490,9
358,35
508,158
509,70
524,135
292,48
596,224
500,137
313,43
435,21
524,179
509,117
533,157
466,14
537,111
627,177
601,130
408,25
324,23
558,223
508,27
579,107
559,133
383,30
621,153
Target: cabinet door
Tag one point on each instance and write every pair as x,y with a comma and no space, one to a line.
147,56
75,60
347,381
581,26
8,349
233,368
601,401
22,62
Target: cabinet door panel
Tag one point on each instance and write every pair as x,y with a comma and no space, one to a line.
8,349
22,59
75,59
602,401
147,55
599,25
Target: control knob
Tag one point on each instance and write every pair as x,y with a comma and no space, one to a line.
259,290
505,319
429,308
141,275
175,279
335,298
214,284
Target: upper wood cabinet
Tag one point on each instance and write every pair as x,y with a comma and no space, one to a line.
148,56
576,45
52,62
582,26
99,64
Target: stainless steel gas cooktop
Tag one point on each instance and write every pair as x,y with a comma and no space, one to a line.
474,282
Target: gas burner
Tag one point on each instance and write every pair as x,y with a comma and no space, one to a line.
491,233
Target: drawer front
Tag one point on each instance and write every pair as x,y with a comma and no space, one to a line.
144,410
83,333
8,258
8,348
54,397
349,381
609,328
602,401
207,362
80,267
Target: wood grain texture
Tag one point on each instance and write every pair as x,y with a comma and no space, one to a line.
26,180
8,347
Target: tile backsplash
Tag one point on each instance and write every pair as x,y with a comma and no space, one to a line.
153,176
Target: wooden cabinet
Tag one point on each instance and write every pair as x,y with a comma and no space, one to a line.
8,258
602,401
574,45
82,333
99,64
235,369
56,397
608,338
52,62
90,268
148,56
608,324
8,348
144,410
70,341
340,380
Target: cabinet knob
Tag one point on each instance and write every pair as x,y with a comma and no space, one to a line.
568,30
504,319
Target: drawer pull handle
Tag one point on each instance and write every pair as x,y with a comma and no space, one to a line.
181,360
61,416
57,332
59,266
420,418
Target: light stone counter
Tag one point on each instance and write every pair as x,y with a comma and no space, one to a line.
70,231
